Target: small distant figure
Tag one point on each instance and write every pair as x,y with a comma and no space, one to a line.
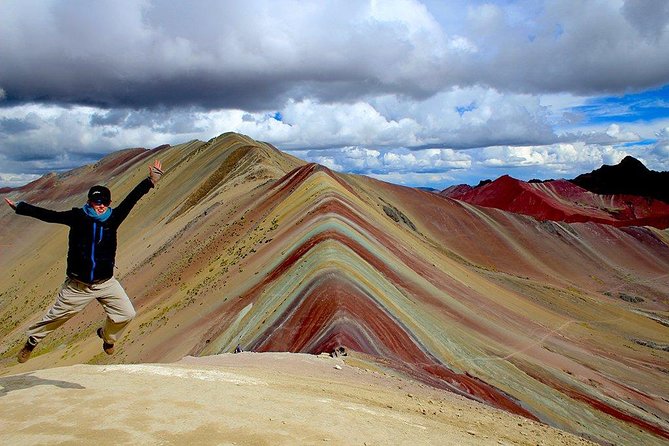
239,349
90,262
339,352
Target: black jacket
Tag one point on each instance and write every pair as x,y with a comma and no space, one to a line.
92,244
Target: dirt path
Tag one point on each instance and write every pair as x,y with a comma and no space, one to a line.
249,399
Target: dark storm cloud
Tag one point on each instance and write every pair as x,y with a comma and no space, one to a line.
15,125
201,89
111,117
256,55
649,17
109,54
28,152
162,120
572,46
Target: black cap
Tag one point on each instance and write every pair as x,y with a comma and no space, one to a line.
99,194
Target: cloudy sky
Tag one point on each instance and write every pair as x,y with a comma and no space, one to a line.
429,93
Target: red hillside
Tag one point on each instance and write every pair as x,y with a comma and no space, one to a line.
561,200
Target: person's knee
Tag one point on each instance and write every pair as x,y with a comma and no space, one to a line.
129,315
123,317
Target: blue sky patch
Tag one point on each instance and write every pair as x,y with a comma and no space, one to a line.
646,106
462,109
643,142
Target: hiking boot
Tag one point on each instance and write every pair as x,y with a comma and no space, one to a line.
26,351
107,347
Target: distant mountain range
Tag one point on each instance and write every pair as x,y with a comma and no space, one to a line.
243,245
627,194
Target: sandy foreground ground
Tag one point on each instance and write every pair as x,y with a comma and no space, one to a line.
249,399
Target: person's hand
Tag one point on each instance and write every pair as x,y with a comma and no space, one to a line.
11,203
155,171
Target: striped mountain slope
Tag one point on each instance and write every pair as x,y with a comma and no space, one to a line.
243,245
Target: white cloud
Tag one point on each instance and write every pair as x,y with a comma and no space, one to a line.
561,159
16,180
431,180
661,150
378,163
663,133
327,161
426,160
615,131
462,118
388,135
462,44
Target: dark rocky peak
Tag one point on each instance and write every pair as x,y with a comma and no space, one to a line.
630,163
629,177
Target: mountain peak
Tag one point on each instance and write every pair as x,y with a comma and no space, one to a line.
629,162
629,177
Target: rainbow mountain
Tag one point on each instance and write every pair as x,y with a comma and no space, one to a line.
243,246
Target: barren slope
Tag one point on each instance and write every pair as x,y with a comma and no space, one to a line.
250,399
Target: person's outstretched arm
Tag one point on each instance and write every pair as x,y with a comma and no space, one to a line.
123,209
39,213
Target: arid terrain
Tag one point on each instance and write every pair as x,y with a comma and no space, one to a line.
250,398
564,324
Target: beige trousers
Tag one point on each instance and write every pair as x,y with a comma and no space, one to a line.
75,295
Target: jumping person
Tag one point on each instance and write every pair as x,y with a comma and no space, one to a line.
90,262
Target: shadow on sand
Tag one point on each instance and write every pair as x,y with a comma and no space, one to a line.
19,382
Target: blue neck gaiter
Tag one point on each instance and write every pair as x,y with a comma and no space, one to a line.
88,209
